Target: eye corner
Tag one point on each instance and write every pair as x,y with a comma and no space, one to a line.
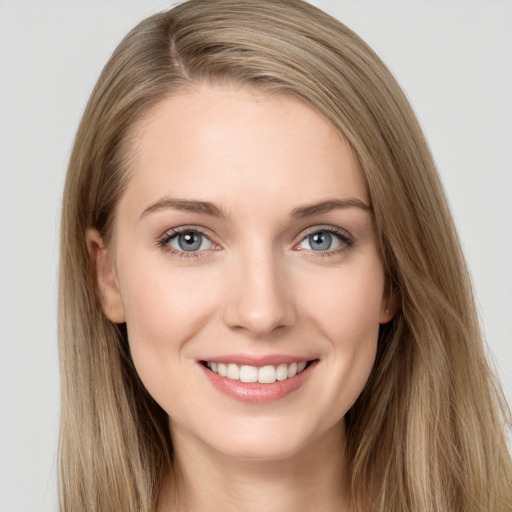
296,246
344,241
202,242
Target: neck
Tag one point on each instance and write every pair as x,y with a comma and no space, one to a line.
310,479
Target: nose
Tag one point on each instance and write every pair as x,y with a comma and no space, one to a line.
259,297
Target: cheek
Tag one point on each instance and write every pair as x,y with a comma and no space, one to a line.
348,303
346,312
165,308
160,298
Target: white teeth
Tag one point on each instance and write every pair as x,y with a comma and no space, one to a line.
292,370
282,372
267,374
249,374
233,371
264,374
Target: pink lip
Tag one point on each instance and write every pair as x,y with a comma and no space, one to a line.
254,392
258,360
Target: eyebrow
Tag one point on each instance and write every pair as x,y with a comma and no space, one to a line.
326,206
208,208
185,205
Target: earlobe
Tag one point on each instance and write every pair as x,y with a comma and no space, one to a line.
106,279
389,305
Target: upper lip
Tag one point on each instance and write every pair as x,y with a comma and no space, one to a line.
258,360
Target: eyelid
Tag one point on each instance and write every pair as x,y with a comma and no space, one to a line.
325,227
163,240
346,239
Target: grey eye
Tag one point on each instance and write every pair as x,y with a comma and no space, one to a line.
190,241
320,241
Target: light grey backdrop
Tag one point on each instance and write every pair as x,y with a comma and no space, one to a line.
454,59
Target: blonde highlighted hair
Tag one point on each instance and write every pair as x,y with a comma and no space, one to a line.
428,432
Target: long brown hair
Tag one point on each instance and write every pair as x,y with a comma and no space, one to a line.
428,432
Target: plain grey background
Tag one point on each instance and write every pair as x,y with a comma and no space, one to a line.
454,60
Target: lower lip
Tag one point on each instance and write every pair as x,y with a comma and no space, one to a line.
254,392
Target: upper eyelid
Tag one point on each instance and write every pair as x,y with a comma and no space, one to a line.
206,232
186,229
345,235
173,232
163,241
324,227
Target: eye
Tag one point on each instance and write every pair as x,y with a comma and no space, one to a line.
188,241
324,240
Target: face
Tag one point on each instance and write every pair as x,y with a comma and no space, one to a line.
246,267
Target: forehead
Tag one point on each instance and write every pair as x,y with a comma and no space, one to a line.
229,142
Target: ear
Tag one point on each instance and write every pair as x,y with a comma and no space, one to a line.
110,295
389,305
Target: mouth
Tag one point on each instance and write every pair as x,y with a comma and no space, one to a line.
267,374
258,383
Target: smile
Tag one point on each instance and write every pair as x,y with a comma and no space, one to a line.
264,374
264,381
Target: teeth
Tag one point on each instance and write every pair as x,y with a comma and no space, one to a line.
282,372
264,374
267,374
233,372
249,374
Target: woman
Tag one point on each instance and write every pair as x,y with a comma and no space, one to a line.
264,305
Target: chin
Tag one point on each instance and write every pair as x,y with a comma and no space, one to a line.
265,442
251,450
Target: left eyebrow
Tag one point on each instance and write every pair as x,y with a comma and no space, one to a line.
207,208
185,205
327,206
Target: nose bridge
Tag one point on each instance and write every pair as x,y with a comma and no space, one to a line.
260,299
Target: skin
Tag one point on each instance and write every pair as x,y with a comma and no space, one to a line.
255,287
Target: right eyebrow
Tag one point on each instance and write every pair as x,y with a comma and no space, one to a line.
326,206
184,205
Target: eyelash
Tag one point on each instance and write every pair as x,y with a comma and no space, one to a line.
346,241
163,242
